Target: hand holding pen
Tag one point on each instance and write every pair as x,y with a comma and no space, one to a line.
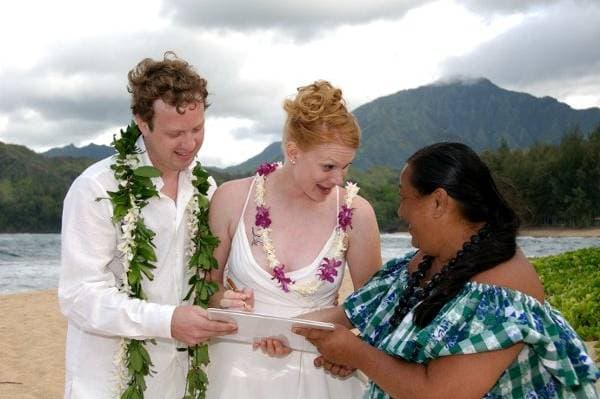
234,298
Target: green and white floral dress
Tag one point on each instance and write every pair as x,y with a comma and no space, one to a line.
482,317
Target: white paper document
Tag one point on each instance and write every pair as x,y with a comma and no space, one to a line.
254,326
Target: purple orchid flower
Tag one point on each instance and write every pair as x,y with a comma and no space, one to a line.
282,279
266,168
263,218
328,269
345,217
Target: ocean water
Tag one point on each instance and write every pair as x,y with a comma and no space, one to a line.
30,262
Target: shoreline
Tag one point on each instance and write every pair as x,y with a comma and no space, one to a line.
544,232
559,232
525,231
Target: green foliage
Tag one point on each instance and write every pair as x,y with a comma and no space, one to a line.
201,263
552,184
548,185
32,189
135,189
138,365
379,186
572,285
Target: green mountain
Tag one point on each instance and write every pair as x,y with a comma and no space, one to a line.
272,153
93,151
475,112
32,188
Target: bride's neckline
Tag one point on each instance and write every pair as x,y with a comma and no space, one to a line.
327,270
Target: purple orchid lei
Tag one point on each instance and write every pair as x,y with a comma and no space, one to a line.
262,217
266,168
328,269
282,279
345,217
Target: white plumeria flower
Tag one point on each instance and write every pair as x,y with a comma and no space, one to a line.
307,288
121,372
351,192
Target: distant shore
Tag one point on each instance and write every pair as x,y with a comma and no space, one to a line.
525,231
551,232
559,232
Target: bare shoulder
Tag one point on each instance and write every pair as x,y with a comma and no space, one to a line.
233,190
516,273
232,193
361,207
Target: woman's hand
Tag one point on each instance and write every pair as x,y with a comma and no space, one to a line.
272,347
239,300
338,347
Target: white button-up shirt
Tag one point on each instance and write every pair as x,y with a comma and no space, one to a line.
98,313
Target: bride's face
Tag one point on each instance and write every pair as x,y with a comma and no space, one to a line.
319,169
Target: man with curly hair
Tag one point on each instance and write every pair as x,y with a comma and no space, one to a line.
168,103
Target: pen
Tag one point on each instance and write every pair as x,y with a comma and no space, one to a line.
231,284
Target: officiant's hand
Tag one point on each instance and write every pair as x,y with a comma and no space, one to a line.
238,299
190,325
339,346
272,347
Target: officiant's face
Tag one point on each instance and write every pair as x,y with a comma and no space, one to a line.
176,137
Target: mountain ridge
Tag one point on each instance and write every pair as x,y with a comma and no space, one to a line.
471,110
474,111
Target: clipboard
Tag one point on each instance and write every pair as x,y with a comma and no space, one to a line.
255,326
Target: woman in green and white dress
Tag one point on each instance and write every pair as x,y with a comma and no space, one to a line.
465,315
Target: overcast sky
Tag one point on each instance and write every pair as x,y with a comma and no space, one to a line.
64,64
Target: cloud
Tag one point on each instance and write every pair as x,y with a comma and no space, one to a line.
58,87
81,86
299,19
556,44
495,7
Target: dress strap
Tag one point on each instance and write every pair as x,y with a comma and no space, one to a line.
247,198
337,203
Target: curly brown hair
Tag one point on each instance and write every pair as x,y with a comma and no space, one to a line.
318,115
172,80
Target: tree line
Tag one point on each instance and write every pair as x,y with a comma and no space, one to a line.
548,185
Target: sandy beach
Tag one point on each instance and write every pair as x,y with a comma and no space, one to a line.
559,232
32,336
32,344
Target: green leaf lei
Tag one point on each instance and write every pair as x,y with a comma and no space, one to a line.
135,189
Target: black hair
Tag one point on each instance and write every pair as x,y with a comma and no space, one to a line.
458,170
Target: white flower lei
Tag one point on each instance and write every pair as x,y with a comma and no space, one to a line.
127,214
336,251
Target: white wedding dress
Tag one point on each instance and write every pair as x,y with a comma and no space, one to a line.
237,371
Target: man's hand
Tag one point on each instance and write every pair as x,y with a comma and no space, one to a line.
191,326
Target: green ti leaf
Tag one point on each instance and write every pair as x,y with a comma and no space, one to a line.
146,171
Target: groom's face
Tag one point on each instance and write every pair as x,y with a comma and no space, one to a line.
176,138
